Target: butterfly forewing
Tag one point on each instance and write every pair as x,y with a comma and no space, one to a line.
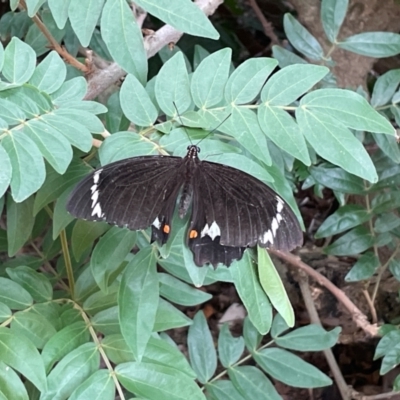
129,193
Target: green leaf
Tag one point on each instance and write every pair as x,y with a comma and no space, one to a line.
27,165
390,360
386,201
122,145
252,337
11,113
251,293
394,267
157,351
309,338
71,371
229,348
59,10
247,80
37,284
372,44
222,390
73,89
57,184
63,342
335,143
136,103
33,326
98,386
169,317
338,179
50,74
244,127
84,234
179,292
385,87
109,253
5,312
5,171
252,383
290,369
301,38
78,135
115,118
345,218
137,300
11,385
61,217
153,381
388,144
84,17
209,79
172,86
20,354
82,117
364,268
283,130
353,242
20,222
14,295
289,83
54,147
123,38
350,108
272,284
332,17
390,340
203,357
19,62
278,326
182,15
286,57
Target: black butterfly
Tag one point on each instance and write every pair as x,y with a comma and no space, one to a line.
230,209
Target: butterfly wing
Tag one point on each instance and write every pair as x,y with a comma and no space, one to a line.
233,210
130,193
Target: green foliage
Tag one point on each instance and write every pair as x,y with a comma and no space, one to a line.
63,309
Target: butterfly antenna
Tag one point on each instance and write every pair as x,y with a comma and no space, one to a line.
180,119
209,133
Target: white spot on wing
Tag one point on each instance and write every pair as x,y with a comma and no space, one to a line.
96,175
279,206
274,226
97,211
213,230
157,223
95,197
267,237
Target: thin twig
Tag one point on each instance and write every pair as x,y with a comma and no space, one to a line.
267,26
357,315
312,312
54,44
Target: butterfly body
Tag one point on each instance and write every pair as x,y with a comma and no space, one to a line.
230,209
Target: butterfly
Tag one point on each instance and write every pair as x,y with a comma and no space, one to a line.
230,209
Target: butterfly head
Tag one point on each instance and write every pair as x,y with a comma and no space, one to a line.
193,151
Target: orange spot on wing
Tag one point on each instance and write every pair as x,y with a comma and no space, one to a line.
193,234
166,228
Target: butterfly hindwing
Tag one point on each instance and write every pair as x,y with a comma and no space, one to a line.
129,193
232,210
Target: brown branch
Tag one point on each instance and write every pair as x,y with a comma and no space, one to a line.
102,79
330,358
54,44
267,26
357,315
